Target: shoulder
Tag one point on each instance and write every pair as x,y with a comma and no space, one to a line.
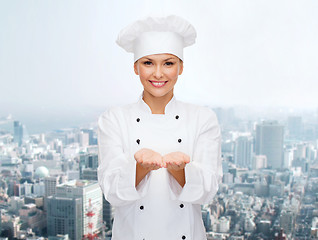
202,117
117,111
197,111
116,114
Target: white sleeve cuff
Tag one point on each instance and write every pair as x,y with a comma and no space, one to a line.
119,185
200,188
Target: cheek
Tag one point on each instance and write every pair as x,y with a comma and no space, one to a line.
144,73
173,73
143,76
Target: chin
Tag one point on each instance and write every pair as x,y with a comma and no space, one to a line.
159,94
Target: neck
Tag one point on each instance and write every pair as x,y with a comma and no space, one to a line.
157,104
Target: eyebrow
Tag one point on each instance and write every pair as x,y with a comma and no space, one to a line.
163,60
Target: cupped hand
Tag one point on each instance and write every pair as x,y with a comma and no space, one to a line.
175,160
149,159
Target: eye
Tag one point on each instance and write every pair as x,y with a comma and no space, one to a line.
147,62
169,63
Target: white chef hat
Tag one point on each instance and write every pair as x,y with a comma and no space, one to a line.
155,35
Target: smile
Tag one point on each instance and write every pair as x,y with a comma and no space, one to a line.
158,84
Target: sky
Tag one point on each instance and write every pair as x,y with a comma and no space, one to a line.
59,58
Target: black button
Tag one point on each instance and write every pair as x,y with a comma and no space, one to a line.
183,237
138,119
177,117
138,141
179,140
181,205
141,207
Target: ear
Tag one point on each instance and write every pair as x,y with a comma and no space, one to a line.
136,68
180,67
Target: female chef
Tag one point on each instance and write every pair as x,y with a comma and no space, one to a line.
159,158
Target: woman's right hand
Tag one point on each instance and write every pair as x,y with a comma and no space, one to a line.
149,159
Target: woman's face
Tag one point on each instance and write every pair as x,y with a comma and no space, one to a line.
158,73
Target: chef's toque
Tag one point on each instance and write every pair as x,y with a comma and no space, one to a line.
155,35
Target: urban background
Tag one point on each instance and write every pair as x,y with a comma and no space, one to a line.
48,186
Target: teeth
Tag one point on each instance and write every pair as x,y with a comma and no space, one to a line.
158,83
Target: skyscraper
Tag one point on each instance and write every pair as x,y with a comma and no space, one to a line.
287,220
19,132
64,216
90,173
88,160
87,191
92,138
295,126
270,142
243,151
50,184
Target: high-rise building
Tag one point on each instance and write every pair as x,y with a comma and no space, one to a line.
89,160
19,132
224,225
301,151
228,178
270,142
243,151
259,161
13,224
64,216
50,184
88,191
287,221
206,219
32,217
92,137
91,174
288,157
294,127
263,227
27,170
88,171
83,139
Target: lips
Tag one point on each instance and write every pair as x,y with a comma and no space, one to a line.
158,84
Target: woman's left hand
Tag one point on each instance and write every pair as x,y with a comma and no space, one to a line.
176,161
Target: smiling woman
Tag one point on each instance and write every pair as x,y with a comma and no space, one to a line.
159,158
158,74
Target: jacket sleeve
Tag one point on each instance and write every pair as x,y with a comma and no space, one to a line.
116,171
204,172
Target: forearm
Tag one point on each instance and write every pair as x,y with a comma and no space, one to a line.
179,175
141,172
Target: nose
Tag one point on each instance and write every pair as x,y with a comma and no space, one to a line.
158,72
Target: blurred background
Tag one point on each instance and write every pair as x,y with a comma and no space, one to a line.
59,63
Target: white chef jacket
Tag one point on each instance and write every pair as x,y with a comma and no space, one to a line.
159,208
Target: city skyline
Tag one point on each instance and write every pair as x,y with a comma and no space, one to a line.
256,199
40,122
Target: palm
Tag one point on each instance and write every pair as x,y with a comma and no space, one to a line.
176,160
149,159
